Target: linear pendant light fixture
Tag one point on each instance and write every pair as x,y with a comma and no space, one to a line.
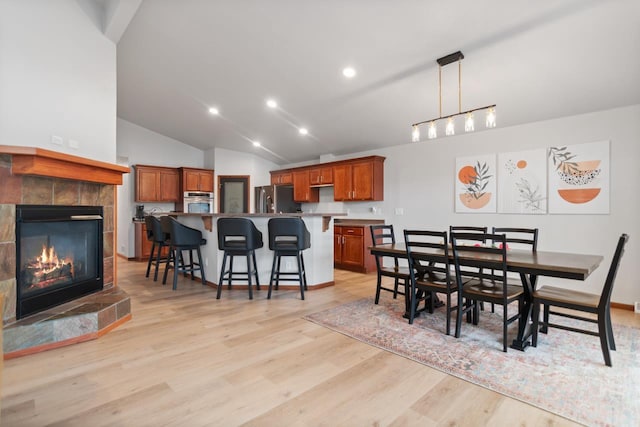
469,123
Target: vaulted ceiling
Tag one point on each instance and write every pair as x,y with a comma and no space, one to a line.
535,60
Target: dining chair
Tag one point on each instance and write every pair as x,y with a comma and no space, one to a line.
523,237
159,240
486,266
470,229
430,271
383,234
550,296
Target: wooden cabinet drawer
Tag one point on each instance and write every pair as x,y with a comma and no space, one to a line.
354,231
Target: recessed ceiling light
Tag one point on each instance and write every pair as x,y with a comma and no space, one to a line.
214,111
349,72
272,103
256,143
303,131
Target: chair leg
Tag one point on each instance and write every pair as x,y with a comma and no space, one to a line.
278,273
255,269
230,271
612,341
304,271
448,311
202,276
220,281
170,260
536,323
378,286
191,264
395,288
505,324
153,248
414,303
249,276
300,277
158,256
461,310
273,274
545,319
604,342
177,267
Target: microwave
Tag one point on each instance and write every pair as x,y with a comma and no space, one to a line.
198,202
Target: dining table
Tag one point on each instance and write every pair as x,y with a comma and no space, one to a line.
528,264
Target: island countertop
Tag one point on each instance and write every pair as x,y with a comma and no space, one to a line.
207,218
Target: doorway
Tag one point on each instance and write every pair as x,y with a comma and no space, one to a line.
234,194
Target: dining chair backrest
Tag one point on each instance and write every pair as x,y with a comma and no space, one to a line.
428,254
466,229
382,234
605,297
472,257
524,237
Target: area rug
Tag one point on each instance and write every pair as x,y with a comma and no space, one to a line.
565,374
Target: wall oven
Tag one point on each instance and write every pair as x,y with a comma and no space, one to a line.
197,202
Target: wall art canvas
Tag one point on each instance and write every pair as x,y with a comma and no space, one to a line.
579,178
475,189
522,182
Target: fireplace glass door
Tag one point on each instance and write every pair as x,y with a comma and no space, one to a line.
59,255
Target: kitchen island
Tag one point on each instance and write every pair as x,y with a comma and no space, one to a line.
318,258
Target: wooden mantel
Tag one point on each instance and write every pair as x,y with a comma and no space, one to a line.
38,161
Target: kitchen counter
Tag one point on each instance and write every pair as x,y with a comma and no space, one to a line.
207,218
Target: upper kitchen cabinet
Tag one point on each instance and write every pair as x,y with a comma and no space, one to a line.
321,175
193,179
281,178
302,190
360,179
156,184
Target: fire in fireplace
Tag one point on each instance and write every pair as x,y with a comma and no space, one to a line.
59,255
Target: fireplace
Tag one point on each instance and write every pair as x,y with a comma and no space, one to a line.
59,255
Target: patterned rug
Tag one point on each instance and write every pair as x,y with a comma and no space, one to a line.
565,374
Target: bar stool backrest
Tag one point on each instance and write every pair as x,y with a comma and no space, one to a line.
181,235
288,233
238,234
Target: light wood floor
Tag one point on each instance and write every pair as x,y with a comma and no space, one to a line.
186,359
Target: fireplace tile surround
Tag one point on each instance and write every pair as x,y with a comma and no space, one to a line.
82,318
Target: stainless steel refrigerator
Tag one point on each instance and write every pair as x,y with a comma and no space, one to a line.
275,199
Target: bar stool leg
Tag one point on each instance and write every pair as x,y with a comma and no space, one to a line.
249,276
220,282
273,273
255,267
170,259
177,267
201,265
304,271
158,255
300,275
153,248
230,270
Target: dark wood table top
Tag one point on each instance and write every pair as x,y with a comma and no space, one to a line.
543,263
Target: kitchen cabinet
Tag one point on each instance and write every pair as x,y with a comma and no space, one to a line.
351,248
156,184
280,178
321,176
302,190
361,180
193,179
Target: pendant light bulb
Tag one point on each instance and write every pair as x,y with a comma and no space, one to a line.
491,118
415,134
433,130
451,127
468,123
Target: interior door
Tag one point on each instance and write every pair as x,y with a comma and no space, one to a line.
233,194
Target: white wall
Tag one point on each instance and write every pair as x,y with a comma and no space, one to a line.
420,178
138,145
57,77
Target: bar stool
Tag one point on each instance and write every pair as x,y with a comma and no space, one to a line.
159,241
182,238
238,237
288,237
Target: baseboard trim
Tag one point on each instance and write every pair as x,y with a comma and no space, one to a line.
622,306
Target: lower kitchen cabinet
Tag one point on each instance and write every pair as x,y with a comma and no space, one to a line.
351,248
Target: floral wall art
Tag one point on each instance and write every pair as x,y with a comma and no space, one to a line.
522,182
476,184
579,178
